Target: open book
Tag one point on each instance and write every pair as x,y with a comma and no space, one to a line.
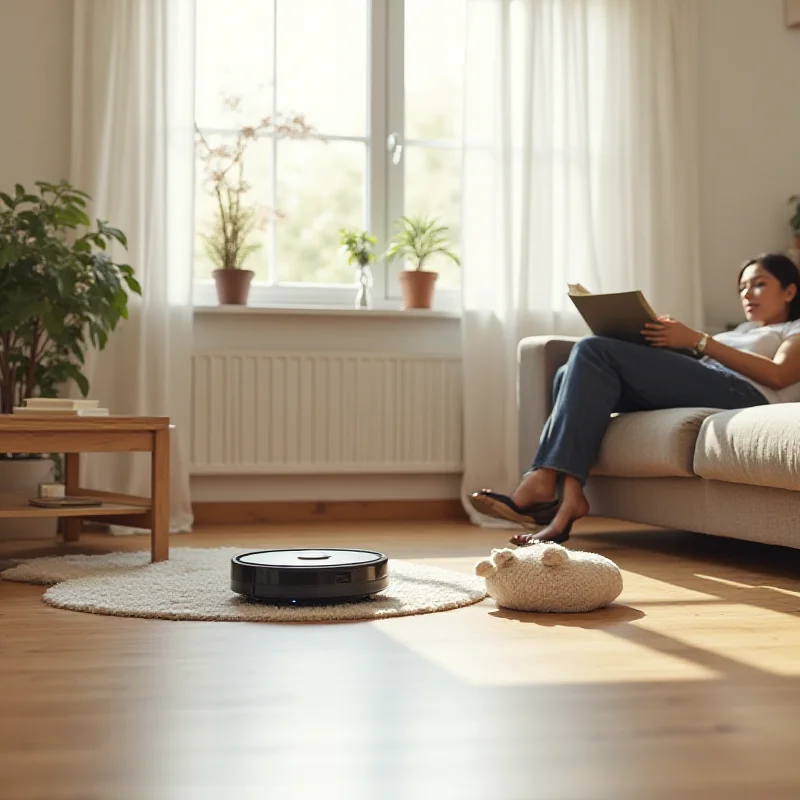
618,315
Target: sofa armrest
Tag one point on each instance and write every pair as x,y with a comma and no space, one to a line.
538,359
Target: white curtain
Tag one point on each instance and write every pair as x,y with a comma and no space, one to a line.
580,164
133,152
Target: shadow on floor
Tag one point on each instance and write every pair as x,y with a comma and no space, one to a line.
610,617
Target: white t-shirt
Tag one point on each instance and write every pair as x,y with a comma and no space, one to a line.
764,340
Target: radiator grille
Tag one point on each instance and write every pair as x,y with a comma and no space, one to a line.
261,412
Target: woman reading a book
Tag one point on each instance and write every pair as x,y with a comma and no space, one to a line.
755,364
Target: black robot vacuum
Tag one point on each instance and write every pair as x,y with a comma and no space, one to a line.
309,576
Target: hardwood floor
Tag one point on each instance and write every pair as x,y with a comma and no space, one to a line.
688,688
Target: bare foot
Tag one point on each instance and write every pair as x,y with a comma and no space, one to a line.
538,486
573,506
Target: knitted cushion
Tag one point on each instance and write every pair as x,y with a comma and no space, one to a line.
550,578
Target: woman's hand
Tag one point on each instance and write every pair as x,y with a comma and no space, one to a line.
668,332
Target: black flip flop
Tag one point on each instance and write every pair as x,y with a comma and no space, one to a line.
560,539
500,506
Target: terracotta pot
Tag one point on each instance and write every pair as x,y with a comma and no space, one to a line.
233,286
417,286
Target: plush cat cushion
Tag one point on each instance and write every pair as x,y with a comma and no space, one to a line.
550,578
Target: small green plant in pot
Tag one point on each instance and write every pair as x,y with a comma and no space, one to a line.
358,247
794,202
61,291
416,239
229,239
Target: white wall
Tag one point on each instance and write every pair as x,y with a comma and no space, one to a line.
35,90
749,140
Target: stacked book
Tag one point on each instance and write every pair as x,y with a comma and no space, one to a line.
39,406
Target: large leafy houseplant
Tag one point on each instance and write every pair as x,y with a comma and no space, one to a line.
61,290
416,239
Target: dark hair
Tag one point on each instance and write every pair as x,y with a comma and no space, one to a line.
785,270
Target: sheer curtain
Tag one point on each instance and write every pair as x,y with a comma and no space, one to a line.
133,152
580,163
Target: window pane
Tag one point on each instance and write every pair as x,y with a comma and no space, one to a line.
320,190
322,63
258,173
433,187
434,68
234,58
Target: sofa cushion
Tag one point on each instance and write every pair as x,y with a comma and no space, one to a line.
756,446
651,444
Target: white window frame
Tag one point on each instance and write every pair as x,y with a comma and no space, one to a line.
384,180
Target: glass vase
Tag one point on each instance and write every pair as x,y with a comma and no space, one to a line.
364,284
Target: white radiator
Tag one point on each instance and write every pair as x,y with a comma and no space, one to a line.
260,413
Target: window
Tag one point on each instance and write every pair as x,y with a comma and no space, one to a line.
366,74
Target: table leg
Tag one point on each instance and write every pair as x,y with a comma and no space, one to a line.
159,492
71,526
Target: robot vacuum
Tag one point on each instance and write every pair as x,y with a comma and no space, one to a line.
309,576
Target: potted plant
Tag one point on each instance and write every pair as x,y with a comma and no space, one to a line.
794,201
229,241
416,239
61,290
357,246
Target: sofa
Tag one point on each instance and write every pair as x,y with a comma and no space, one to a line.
724,473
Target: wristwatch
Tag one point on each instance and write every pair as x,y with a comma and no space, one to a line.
700,347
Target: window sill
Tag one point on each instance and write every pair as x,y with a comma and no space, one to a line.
325,311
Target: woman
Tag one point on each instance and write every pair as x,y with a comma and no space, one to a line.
755,364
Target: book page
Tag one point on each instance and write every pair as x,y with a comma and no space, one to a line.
577,290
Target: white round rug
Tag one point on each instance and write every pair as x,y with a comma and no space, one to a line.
194,584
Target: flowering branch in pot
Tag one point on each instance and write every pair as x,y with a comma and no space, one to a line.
229,243
416,239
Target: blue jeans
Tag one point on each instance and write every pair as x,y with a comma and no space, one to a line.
605,375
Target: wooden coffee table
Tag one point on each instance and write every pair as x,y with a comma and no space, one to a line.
75,435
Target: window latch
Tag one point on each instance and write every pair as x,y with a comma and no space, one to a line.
395,147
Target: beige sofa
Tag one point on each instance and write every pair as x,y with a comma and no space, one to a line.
725,473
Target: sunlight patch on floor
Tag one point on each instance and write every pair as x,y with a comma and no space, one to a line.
753,637
760,587
639,639
479,647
